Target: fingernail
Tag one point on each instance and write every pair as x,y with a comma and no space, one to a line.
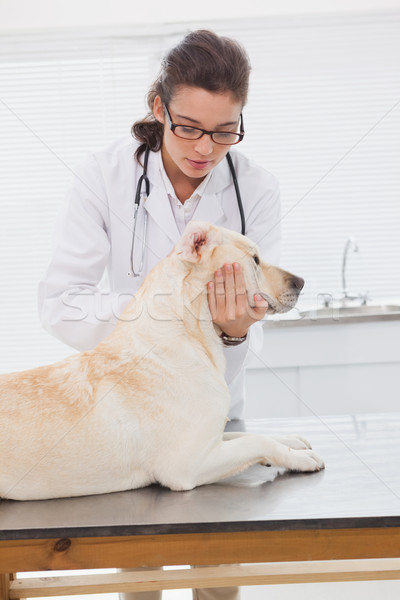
259,297
236,266
228,267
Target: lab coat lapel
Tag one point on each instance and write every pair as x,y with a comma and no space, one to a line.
159,209
209,209
210,206
157,204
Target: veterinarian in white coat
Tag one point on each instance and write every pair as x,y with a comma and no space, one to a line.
94,232
195,104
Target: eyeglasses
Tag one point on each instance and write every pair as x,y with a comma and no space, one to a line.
186,132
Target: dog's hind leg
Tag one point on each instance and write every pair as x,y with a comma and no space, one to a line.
242,451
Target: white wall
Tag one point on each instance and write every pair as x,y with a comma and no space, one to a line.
49,14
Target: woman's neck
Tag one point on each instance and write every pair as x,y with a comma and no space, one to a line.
185,189
183,185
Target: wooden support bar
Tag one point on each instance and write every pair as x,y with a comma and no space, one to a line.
206,577
203,549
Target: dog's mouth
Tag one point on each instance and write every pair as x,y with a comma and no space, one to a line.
272,304
283,304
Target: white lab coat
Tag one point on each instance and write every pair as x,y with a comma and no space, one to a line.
93,236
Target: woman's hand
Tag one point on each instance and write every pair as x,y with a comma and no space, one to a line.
228,303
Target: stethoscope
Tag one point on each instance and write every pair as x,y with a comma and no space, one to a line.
143,179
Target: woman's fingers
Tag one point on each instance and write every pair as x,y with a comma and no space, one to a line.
230,293
228,303
240,291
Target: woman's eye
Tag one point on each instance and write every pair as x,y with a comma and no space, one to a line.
256,259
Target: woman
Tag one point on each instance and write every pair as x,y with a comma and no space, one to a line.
195,116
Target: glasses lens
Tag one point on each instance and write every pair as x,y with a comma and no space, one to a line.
188,133
228,138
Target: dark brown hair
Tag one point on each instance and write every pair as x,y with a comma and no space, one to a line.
202,59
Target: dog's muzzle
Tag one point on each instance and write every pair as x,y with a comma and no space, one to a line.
287,300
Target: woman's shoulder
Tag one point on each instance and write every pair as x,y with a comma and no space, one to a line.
107,164
118,150
249,170
110,155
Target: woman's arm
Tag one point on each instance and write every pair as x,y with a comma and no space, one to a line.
71,305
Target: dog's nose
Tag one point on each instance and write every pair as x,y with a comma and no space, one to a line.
297,283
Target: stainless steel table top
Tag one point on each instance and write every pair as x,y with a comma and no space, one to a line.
360,487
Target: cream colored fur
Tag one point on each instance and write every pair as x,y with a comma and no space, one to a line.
149,403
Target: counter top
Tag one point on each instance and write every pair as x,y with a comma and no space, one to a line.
335,315
360,487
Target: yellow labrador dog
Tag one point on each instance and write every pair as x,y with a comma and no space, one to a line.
149,403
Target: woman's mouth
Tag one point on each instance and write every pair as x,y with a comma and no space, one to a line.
199,164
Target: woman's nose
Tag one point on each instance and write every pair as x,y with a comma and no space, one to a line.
204,145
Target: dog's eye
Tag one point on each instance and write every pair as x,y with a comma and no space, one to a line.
256,259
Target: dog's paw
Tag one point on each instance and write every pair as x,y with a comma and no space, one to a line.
305,460
293,441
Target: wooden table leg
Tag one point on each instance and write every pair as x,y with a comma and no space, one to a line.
5,579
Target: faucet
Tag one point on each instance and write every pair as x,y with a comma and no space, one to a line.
329,300
351,244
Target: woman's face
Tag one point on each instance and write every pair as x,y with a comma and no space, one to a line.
198,108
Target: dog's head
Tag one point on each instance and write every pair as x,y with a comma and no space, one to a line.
206,248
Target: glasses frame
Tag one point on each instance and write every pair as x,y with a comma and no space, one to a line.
173,126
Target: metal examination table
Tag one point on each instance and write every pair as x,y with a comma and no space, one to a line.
341,524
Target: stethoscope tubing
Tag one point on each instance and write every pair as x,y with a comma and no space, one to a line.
238,196
138,195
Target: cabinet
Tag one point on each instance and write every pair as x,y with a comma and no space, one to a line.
315,369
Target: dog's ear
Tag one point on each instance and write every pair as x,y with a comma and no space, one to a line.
196,237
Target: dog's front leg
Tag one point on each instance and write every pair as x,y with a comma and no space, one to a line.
293,441
238,451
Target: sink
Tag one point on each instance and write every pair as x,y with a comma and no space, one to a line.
346,312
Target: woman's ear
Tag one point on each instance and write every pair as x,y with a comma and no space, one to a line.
158,109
